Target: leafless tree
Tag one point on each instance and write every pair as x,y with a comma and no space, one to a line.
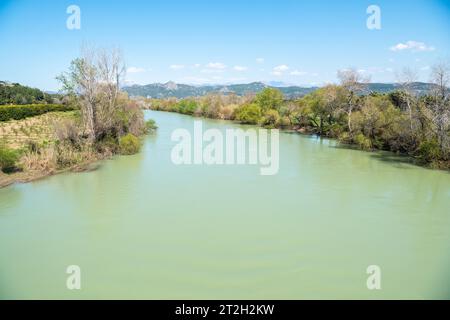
355,84
95,79
406,79
440,77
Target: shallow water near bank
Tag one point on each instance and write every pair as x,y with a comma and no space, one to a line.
142,227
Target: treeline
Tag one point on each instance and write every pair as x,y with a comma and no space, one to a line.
399,121
14,93
18,112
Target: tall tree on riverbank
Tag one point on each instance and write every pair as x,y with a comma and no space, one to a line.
355,84
440,107
406,79
95,79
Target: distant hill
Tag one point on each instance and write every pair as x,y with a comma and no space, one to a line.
14,93
172,89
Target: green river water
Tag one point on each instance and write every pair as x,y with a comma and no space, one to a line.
142,227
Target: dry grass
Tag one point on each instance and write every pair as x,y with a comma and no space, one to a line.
16,134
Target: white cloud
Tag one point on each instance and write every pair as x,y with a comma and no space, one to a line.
425,68
412,46
260,60
278,70
216,65
240,68
197,65
298,73
176,66
135,70
281,68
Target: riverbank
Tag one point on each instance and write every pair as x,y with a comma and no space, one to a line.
50,144
395,121
396,156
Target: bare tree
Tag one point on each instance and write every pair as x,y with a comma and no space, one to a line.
95,79
406,79
355,84
440,77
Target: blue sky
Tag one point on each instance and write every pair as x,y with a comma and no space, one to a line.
196,42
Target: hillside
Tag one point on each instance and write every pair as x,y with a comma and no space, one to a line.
14,93
172,89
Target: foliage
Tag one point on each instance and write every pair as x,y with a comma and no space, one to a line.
129,144
271,119
17,112
269,98
150,125
8,159
17,94
187,106
429,150
249,113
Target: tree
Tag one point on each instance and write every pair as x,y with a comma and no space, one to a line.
249,113
440,107
355,84
406,79
269,98
95,79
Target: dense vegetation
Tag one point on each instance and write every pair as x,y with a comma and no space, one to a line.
400,121
18,112
14,93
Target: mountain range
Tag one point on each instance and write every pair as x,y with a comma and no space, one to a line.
172,89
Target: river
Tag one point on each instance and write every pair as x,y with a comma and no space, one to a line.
141,227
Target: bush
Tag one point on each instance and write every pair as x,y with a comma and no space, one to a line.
269,98
271,119
187,107
345,137
363,142
429,150
18,112
8,159
150,125
249,113
129,144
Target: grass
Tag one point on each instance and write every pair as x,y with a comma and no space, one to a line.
16,134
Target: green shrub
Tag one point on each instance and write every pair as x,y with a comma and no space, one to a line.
187,106
269,98
363,142
249,113
8,159
18,112
429,150
271,119
129,144
150,125
345,137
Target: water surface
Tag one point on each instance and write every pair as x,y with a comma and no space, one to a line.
141,227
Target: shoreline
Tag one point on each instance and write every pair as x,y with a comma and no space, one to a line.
20,177
305,132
